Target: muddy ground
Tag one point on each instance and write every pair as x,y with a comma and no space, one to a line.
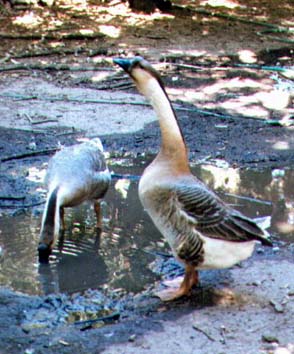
241,116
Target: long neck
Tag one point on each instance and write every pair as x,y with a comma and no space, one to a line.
172,143
51,219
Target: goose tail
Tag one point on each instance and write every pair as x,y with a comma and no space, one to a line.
255,228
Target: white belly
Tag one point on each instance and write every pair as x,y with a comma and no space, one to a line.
224,254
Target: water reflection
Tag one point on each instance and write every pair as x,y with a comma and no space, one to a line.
78,266
116,257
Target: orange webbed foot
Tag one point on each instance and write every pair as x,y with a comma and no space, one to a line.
179,287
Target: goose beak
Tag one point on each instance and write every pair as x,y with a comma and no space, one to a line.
124,63
44,253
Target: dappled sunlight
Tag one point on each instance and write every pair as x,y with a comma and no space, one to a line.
100,76
110,31
222,178
76,5
274,99
244,106
124,16
231,84
281,145
122,186
29,20
221,3
235,89
195,53
228,297
56,44
36,175
237,96
247,56
186,95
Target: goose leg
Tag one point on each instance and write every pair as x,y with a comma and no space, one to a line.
97,209
190,279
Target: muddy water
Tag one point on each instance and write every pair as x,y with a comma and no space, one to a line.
120,256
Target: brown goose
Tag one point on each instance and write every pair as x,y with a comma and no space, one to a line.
201,229
75,174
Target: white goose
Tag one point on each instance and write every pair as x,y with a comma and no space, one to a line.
75,174
201,229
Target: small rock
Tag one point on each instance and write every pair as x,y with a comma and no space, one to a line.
109,335
221,126
29,351
132,338
269,338
27,327
278,173
32,146
63,342
277,306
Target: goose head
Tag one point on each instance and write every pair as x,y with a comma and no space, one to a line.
142,73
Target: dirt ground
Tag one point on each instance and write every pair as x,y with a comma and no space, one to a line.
233,106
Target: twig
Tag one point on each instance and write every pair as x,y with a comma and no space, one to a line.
262,67
208,113
74,99
28,117
249,199
49,120
34,131
226,67
8,206
28,154
110,86
69,133
120,102
52,36
123,85
191,67
11,197
44,53
126,176
89,323
278,39
205,12
55,67
204,332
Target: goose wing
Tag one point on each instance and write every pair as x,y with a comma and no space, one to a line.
213,218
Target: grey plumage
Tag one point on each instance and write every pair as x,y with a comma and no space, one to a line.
75,174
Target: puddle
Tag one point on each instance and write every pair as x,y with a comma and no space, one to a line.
119,258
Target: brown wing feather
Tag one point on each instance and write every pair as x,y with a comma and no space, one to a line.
215,219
